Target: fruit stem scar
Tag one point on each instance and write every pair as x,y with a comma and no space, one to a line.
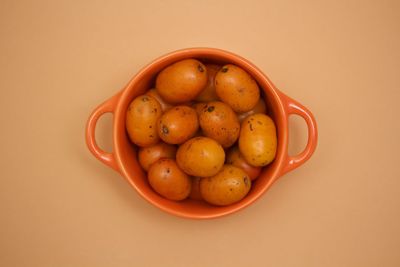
210,109
165,129
200,68
224,69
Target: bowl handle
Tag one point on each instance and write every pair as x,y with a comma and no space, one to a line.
293,107
105,157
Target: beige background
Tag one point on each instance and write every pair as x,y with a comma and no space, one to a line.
61,207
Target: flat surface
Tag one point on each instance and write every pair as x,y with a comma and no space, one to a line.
61,207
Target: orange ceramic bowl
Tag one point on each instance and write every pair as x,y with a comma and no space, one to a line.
124,157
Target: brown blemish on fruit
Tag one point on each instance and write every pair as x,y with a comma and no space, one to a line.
246,180
165,129
224,69
251,127
210,109
200,68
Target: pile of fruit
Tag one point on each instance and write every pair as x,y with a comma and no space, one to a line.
202,132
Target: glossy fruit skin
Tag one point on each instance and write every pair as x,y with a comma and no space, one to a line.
178,124
260,107
258,139
208,93
195,190
219,122
237,88
181,81
164,105
168,180
150,154
228,186
200,156
141,120
235,158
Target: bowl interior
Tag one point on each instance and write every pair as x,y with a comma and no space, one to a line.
126,152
